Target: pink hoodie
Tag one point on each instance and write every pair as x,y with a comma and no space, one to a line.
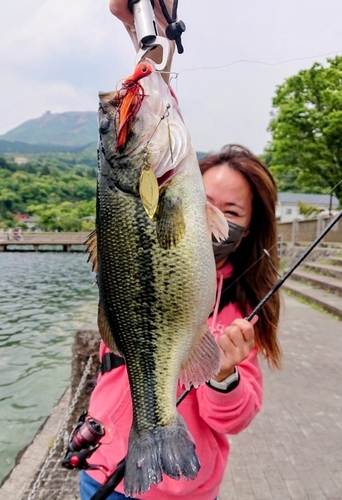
209,415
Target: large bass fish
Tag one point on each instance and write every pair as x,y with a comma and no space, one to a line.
155,267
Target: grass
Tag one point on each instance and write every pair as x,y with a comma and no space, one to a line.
317,287
313,305
309,269
324,261
328,260
284,263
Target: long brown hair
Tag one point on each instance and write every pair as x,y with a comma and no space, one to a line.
253,269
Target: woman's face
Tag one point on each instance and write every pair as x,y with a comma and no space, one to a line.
229,191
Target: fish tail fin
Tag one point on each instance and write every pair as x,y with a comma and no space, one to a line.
166,450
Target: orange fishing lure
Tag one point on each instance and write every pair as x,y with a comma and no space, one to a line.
129,99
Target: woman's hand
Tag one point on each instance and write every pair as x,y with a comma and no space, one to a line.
235,343
120,9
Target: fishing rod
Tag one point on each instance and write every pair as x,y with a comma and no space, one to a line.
282,280
118,475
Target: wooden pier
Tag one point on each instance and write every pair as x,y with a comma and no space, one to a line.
36,242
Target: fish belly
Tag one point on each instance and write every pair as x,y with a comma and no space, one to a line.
156,302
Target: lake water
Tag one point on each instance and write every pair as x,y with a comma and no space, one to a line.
44,299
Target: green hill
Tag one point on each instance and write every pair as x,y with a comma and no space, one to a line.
25,148
71,129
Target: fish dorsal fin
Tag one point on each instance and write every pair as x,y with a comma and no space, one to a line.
105,331
170,220
203,363
217,223
91,247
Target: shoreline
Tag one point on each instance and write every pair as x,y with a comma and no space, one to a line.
31,458
291,450
29,462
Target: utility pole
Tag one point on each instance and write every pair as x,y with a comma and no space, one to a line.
330,202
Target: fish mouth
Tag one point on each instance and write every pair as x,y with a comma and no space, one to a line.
113,183
123,190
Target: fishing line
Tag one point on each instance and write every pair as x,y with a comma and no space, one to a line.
271,248
279,283
165,115
250,61
269,256
313,207
175,75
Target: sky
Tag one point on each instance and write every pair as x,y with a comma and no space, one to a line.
57,55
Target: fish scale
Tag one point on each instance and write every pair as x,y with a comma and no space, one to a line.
131,300
156,275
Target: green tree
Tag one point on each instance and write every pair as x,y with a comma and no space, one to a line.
307,210
44,171
60,188
66,216
306,148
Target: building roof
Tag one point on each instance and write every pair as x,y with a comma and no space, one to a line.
309,199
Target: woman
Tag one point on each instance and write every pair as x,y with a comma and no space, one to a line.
240,185
236,182
244,190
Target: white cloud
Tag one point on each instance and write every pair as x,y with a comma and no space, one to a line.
58,58
35,98
77,29
51,25
57,55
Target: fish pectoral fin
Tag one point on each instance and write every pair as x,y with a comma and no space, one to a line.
217,223
203,363
170,220
91,247
105,331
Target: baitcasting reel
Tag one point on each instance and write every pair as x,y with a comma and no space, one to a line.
83,441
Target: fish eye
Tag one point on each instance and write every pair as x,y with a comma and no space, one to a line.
144,69
104,125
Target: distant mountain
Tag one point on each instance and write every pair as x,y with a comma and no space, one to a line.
71,129
24,148
55,133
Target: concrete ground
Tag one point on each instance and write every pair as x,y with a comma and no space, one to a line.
293,448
